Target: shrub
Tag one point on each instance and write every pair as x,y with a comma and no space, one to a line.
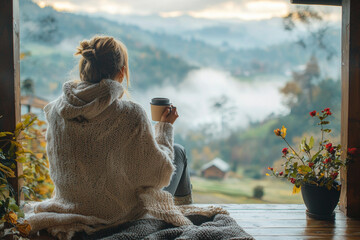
258,192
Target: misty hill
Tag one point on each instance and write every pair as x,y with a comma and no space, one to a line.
51,38
155,57
233,32
246,47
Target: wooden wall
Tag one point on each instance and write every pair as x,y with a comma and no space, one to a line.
10,71
213,172
350,118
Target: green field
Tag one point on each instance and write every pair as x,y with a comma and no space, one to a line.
233,190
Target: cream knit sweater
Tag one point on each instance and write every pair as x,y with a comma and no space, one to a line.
107,166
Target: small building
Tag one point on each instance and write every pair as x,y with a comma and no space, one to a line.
216,169
33,102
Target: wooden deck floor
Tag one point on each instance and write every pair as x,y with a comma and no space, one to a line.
289,222
286,222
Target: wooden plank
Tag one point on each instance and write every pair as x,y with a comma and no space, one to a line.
350,106
272,225
257,206
290,223
324,232
274,215
10,73
304,237
318,2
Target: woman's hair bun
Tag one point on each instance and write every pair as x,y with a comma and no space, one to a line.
103,57
86,50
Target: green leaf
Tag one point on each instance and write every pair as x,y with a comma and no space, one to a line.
304,168
21,159
20,213
311,143
14,207
295,165
3,134
315,156
303,144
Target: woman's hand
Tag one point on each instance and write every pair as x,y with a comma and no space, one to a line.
170,115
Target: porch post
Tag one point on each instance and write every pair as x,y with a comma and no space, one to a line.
350,106
10,74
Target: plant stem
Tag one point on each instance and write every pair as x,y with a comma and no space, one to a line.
293,150
322,137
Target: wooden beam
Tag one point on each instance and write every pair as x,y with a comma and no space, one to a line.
350,107
10,74
318,2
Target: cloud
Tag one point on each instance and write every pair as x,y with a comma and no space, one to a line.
134,6
196,95
246,9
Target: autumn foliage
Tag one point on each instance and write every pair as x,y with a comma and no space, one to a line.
26,145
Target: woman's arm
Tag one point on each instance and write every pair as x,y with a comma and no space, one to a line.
152,154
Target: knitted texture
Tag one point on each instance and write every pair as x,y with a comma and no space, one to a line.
107,165
218,227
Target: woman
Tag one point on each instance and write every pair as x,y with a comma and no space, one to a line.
107,166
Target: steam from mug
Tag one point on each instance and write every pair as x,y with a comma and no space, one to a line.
158,106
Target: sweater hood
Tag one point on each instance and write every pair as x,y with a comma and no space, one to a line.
85,101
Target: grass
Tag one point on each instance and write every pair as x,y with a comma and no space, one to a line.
233,190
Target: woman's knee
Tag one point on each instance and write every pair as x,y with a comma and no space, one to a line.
180,153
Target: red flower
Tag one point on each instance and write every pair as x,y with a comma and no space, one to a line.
327,111
281,173
353,151
334,175
328,160
313,113
285,151
270,168
331,150
311,164
328,146
292,180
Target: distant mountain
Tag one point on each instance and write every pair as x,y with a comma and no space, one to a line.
158,57
235,33
245,48
51,38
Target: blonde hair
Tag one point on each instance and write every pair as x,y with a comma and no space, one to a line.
103,58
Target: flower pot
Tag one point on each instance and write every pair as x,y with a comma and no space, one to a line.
320,201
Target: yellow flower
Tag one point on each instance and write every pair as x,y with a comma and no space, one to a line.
277,132
11,217
283,132
24,228
296,190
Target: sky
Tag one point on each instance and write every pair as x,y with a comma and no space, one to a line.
209,9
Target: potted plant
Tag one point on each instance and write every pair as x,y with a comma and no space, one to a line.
315,172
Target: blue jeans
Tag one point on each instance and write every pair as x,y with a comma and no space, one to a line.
180,182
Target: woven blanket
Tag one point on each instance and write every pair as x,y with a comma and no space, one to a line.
218,227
